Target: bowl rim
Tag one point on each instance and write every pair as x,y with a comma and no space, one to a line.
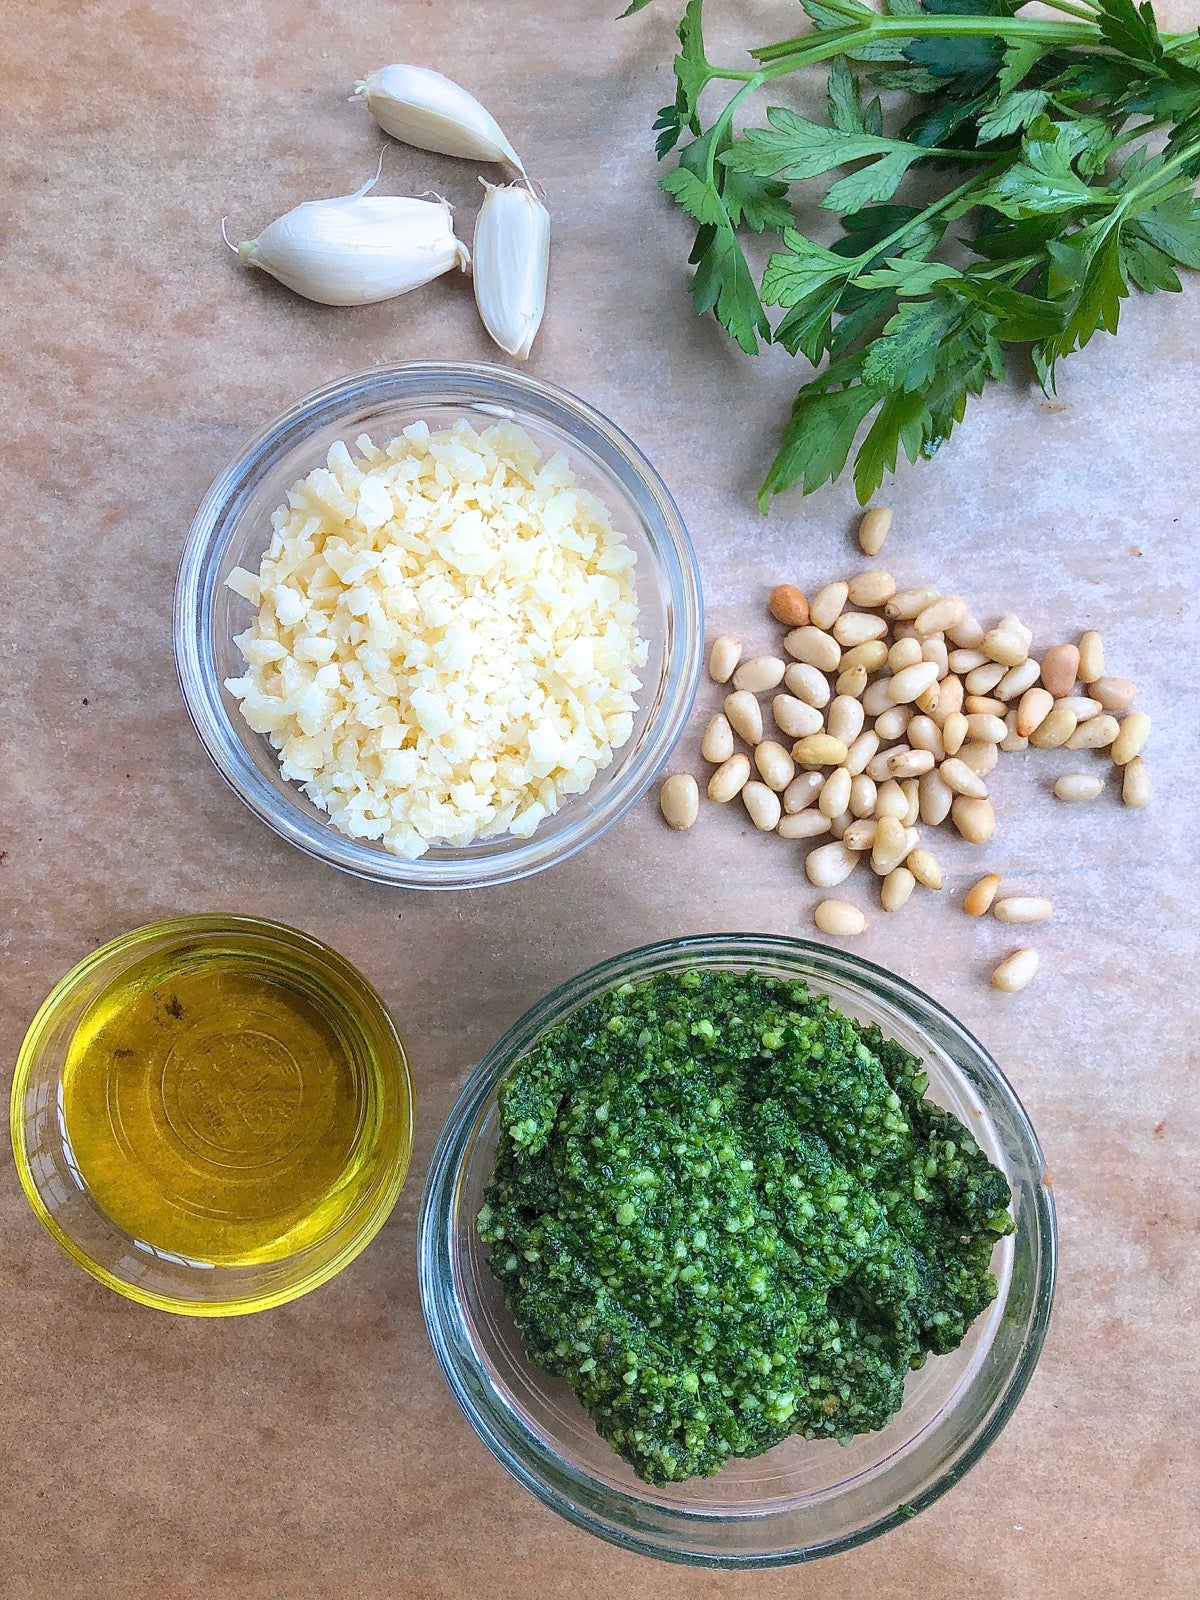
204,925
202,690
472,1390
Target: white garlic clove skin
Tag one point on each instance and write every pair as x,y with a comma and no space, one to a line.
512,261
359,248
421,107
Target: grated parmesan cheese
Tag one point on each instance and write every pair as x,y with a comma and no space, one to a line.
446,640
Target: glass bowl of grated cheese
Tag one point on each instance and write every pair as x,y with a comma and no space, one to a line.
439,625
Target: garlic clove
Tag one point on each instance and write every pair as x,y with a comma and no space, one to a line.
358,248
512,260
423,108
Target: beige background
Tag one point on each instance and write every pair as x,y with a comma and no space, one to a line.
314,1451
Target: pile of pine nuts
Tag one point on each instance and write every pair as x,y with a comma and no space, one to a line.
892,708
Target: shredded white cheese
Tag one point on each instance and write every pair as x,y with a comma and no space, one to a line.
446,639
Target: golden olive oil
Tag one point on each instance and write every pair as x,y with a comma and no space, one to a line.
220,1103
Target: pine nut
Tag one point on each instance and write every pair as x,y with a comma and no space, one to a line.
835,794
942,614
1097,733
814,648
1136,790
982,680
1091,656
763,805
830,864
1017,679
964,661
890,845
1013,742
794,717
957,775
912,682
1055,730
744,715
974,818
1035,706
863,795
890,724
860,834
802,825
724,656
967,635
877,767
929,699
1135,730
873,529
910,788
861,753
1084,707
807,684
909,604
950,698
925,868
729,779
1015,972
984,705
845,719
839,919
896,888
838,825
954,733
775,766
981,758
877,698
1114,694
717,743
871,588
985,728
819,750
679,800
851,681
903,762
856,627
759,675
934,649
904,653
1005,645
1023,908
977,901
870,656
788,605
1013,624
1060,668
923,733
827,604
904,630
891,800
802,791
1078,786
935,799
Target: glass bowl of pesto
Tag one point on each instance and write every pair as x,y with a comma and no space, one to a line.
802,1498
233,528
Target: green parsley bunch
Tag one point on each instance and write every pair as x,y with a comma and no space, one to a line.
1058,157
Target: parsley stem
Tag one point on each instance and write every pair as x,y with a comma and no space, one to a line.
800,49
951,197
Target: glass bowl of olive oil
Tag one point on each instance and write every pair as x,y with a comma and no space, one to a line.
212,1115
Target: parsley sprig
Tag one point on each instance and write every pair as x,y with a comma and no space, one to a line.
1056,162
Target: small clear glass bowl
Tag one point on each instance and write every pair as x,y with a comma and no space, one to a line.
803,1499
59,1196
233,528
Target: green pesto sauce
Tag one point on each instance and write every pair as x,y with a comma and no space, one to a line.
725,1213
